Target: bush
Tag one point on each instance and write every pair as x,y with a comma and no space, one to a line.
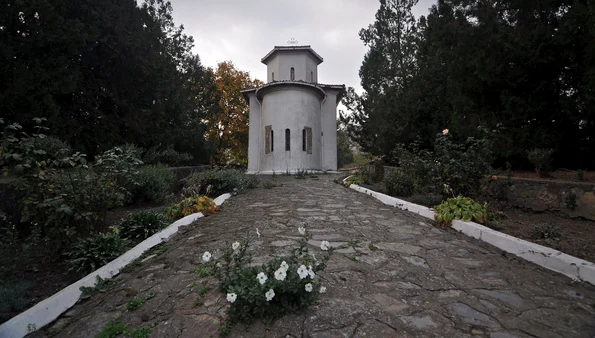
428,200
167,156
54,148
399,184
283,285
142,224
91,253
152,183
192,205
215,182
546,231
354,179
12,298
542,160
462,208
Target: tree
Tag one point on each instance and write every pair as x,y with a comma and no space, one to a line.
228,124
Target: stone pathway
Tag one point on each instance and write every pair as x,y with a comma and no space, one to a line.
403,277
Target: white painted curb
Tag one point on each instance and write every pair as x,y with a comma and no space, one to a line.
573,267
51,308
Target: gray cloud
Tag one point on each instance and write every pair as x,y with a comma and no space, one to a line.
244,31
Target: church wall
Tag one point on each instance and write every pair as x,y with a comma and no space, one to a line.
273,66
295,60
329,129
290,107
311,68
254,132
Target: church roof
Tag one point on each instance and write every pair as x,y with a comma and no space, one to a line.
323,86
291,48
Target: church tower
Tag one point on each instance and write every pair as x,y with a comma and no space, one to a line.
293,118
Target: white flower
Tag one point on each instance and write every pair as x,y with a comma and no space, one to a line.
311,272
235,245
280,274
206,257
308,287
284,266
231,297
322,289
144,25
36,15
302,271
324,245
262,278
22,17
302,230
269,295
445,132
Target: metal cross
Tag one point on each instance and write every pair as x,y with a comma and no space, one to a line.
292,41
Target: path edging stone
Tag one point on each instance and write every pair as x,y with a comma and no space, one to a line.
573,267
52,307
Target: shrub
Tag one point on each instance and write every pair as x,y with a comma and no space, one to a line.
191,205
91,253
428,200
283,285
142,224
354,179
542,160
215,182
546,231
152,183
166,156
12,298
462,208
399,184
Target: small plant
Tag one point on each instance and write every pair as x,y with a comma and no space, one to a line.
546,231
139,332
271,185
215,182
283,285
142,224
462,208
192,205
542,160
89,254
399,184
580,175
203,290
354,180
101,285
301,174
112,329
570,201
137,302
202,271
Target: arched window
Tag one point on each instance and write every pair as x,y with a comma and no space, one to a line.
292,74
287,137
304,139
312,77
273,76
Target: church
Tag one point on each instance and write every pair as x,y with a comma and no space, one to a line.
293,118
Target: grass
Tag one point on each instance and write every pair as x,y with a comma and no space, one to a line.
137,302
202,271
115,327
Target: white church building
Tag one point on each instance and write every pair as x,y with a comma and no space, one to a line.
293,118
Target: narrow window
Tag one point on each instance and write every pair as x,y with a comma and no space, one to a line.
292,74
273,76
268,140
309,140
287,134
312,77
304,139
272,140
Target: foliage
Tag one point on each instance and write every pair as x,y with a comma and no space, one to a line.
284,285
469,63
12,298
137,302
228,124
142,224
166,156
344,152
570,201
115,327
152,183
462,208
69,65
399,184
541,160
215,182
546,231
354,179
460,166
191,205
90,253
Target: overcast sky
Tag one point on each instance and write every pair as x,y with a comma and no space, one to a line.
244,31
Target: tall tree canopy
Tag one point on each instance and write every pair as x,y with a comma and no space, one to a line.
104,73
228,125
524,63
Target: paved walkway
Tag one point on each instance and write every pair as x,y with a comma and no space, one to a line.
404,278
